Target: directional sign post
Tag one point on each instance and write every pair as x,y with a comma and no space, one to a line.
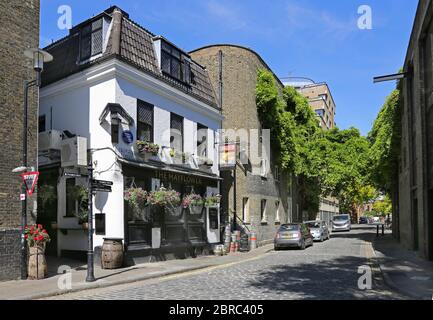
101,185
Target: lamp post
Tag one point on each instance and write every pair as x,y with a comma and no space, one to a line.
39,57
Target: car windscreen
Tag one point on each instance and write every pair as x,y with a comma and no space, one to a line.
340,218
313,225
289,227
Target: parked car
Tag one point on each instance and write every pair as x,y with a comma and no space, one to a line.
293,235
341,222
319,230
363,220
375,220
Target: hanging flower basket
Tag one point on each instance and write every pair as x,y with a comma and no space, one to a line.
137,199
175,211
212,201
194,202
167,199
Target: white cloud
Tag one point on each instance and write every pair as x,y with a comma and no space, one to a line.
302,18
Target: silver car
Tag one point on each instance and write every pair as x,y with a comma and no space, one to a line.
341,222
319,230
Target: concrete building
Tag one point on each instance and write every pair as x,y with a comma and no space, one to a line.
413,217
263,197
114,83
20,31
320,98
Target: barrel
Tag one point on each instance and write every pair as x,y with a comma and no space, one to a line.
218,250
253,240
112,253
244,243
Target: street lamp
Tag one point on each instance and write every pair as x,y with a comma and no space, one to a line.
39,57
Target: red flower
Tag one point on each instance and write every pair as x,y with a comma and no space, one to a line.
26,236
44,231
39,226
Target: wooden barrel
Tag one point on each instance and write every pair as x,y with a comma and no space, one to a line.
112,253
37,266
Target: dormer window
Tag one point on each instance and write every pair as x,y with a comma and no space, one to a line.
174,63
91,40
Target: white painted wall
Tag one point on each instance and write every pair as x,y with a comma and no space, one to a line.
77,103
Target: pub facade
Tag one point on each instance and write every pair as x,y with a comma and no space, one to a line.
147,115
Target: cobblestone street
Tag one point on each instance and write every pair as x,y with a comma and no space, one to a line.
327,270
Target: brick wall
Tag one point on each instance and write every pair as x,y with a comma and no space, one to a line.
240,67
20,30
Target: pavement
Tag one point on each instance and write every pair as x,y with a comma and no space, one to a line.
57,282
403,270
331,270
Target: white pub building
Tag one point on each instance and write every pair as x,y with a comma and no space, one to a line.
113,83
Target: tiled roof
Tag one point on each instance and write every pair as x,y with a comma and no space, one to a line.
135,47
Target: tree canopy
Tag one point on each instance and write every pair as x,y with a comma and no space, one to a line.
326,163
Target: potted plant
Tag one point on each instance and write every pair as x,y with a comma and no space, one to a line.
47,195
81,195
193,202
212,201
169,200
137,199
147,149
37,238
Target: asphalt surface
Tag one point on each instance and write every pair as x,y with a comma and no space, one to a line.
328,270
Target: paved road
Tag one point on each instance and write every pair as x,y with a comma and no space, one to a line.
327,270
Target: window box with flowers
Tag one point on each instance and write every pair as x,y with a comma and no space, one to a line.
168,200
37,238
139,208
194,203
147,149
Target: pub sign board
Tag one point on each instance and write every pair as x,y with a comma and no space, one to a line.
227,156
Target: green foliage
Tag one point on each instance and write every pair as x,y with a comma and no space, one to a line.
384,141
326,163
383,207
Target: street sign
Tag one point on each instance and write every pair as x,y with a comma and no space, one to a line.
101,189
75,175
102,182
30,179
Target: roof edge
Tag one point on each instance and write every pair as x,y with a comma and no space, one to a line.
240,47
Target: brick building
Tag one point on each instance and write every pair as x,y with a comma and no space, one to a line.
20,30
262,200
413,218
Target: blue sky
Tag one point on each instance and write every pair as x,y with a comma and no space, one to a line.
312,38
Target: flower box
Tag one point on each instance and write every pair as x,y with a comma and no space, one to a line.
196,209
175,211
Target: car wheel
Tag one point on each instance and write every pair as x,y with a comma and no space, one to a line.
322,239
276,248
302,247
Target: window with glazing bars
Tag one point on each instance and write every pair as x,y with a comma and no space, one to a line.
91,40
202,132
144,121
174,63
176,132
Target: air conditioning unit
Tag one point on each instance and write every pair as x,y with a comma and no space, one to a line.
74,152
50,140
